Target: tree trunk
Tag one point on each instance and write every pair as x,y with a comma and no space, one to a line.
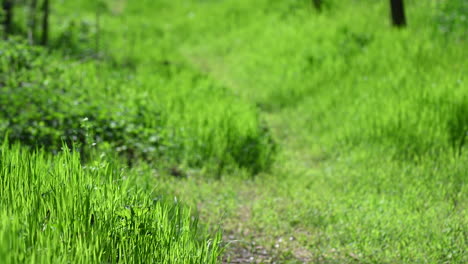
398,13
45,23
8,19
32,22
98,29
317,4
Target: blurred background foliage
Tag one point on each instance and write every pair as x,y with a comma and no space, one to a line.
356,130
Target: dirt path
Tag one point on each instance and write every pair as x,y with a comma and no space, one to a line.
246,240
248,244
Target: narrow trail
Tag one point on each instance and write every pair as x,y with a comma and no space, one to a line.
251,236
250,243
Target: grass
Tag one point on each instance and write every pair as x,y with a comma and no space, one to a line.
135,113
56,210
334,138
365,118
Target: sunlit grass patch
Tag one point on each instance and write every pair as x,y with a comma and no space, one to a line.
56,210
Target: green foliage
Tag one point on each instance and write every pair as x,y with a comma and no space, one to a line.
372,127
371,86
452,17
458,125
46,101
56,210
371,122
76,37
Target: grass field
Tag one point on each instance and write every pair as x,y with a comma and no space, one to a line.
236,132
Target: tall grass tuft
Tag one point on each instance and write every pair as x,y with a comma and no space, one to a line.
54,210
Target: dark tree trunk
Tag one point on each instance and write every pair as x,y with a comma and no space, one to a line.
32,22
317,4
45,23
398,13
98,29
8,20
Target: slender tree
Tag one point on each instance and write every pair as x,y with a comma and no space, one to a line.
32,22
98,27
317,4
100,8
45,22
7,6
398,13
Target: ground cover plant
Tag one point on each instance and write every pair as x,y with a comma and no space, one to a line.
56,210
152,117
334,137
